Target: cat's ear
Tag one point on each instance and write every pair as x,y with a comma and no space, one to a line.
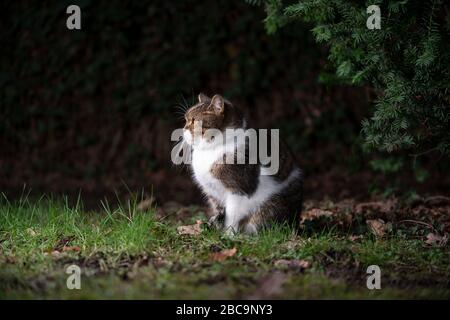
202,98
218,104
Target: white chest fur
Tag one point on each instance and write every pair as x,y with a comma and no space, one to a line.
202,161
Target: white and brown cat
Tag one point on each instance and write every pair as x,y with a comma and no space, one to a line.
241,196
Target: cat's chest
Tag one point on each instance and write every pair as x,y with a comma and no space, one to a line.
202,162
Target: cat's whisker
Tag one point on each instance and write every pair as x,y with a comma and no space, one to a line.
180,109
181,117
186,104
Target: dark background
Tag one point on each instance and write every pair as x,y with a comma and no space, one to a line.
93,109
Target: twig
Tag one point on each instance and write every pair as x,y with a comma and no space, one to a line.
437,198
419,222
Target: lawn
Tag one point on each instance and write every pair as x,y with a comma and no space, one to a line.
131,251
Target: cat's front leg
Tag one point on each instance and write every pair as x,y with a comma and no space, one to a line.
217,213
235,212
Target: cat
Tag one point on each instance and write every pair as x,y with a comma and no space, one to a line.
242,197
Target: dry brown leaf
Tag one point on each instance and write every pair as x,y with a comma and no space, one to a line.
56,254
63,242
315,213
377,227
71,248
436,240
222,255
160,262
191,230
354,238
292,264
11,259
293,244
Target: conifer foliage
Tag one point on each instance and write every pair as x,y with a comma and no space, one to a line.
406,61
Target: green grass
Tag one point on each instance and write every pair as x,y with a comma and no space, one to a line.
126,253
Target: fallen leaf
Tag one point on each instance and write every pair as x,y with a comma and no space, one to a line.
71,248
63,242
354,238
191,230
55,254
160,262
436,240
315,213
377,227
11,259
222,255
292,264
293,244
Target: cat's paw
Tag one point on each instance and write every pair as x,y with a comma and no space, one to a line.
230,232
216,221
250,229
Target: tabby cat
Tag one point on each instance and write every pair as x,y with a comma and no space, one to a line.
242,196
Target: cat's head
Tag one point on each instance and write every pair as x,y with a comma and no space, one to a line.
209,116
